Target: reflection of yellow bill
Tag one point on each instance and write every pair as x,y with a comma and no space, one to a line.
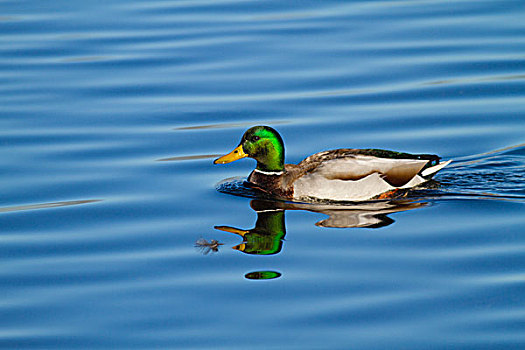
237,153
241,247
232,230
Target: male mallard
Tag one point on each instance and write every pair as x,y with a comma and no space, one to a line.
340,175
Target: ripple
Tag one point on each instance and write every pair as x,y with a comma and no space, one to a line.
194,157
47,205
227,125
85,59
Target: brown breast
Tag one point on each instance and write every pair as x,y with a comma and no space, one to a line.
272,184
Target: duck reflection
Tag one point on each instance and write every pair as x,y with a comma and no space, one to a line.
366,215
267,237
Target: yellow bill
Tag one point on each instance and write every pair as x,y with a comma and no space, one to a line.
234,155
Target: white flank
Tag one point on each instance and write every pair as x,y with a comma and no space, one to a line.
317,186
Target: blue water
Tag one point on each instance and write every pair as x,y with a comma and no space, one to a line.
111,113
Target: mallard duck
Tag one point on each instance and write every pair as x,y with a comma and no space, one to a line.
335,175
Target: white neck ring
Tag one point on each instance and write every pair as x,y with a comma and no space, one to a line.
269,172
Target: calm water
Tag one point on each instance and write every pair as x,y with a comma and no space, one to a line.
111,114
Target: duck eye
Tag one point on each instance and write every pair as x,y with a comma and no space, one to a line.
255,138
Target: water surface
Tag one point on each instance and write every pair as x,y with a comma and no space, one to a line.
113,111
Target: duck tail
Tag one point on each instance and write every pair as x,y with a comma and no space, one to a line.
429,172
432,158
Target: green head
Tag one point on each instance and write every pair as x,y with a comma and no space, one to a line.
261,143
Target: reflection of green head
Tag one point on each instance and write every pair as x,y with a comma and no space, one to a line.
266,238
266,146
